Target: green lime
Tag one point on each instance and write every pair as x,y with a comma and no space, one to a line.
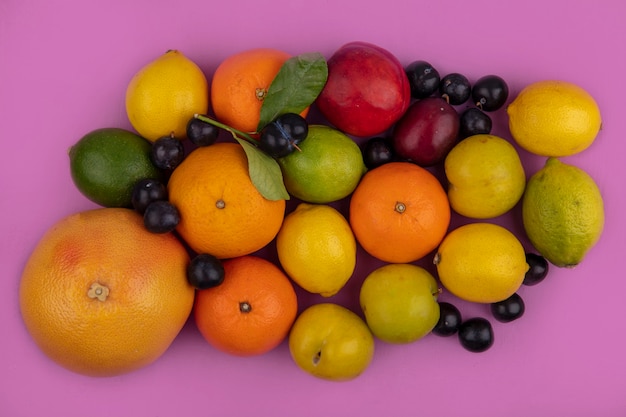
327,168
106,163
563,212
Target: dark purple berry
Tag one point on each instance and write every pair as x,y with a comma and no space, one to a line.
201,133
423,79
167,153
490,92
281,137
161,217
145,192
508,310
377,151
474,121
537,271
449,320
205,271
476,334
456,88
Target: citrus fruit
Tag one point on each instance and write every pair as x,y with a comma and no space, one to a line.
327,168
331,342
562,212
399,212
554,118
316,248
165,94
240,83
485,176
481,262
251,312
106,163
221,211
102,296
400,302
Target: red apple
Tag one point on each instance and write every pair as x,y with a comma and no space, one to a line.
427,131
367,90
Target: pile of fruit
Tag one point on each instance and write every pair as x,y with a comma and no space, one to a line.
198,191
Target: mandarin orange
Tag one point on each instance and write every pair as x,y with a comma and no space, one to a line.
251,312
240,83
399,212
222,213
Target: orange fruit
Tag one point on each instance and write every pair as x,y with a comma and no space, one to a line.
251,312
222,213
399,212
240,84
102,296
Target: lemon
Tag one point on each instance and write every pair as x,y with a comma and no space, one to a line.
165,94
331,342
317,248
485,176
481,262
327,168
562,212
106,163
554,118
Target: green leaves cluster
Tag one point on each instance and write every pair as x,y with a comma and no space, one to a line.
295,87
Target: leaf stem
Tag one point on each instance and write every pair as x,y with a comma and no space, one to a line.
235,132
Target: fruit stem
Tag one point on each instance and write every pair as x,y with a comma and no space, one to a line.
245,307
98,291
235,132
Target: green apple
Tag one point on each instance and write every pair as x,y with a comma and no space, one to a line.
400,302
331,342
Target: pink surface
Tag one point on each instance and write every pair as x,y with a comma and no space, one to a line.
64,67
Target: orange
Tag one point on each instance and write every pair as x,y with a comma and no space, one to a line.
251,312
102,296
240,83
399,212
222,213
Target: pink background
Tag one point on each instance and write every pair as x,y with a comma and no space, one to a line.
64,67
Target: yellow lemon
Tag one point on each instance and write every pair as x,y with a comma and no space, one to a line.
554,118
481,262
563,212
164,95
485,176
317,248
331,342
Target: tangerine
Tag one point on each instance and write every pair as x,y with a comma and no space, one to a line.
102,296
221,211
240,83
399,212
251,312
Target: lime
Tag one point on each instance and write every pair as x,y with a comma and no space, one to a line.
554,118
317,249
106,163
481,262
485,177
563,212
327,168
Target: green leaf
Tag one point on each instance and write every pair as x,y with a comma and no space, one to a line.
264,172
295,87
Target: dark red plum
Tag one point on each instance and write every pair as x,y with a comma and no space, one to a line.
427,132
